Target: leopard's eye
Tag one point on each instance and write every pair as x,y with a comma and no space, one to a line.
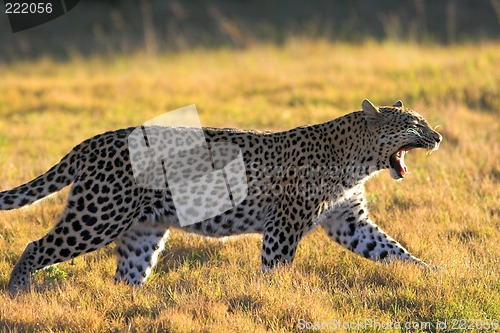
413,130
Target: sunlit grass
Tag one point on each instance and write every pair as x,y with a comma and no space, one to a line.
446,211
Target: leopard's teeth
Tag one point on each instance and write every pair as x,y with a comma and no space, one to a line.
400,154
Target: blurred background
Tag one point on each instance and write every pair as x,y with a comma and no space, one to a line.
273,64
126,26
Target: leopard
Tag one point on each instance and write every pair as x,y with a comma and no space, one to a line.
297,180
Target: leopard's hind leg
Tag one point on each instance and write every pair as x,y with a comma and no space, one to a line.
72,236
84,226
137,250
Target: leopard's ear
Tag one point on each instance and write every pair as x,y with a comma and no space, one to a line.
371,113
398,104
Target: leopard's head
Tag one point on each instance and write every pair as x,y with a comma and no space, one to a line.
398,130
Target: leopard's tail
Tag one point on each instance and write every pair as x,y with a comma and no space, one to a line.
56,178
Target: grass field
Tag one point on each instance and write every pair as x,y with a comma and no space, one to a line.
447,211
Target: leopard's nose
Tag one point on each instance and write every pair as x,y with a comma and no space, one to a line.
437,137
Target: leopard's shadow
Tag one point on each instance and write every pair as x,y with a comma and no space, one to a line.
181,253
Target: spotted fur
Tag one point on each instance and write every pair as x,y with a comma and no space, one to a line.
297,180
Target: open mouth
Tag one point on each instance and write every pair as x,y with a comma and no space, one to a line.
397,160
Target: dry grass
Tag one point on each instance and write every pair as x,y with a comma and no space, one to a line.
446,211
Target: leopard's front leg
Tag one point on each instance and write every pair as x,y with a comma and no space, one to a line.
283,230
279,244
348,224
